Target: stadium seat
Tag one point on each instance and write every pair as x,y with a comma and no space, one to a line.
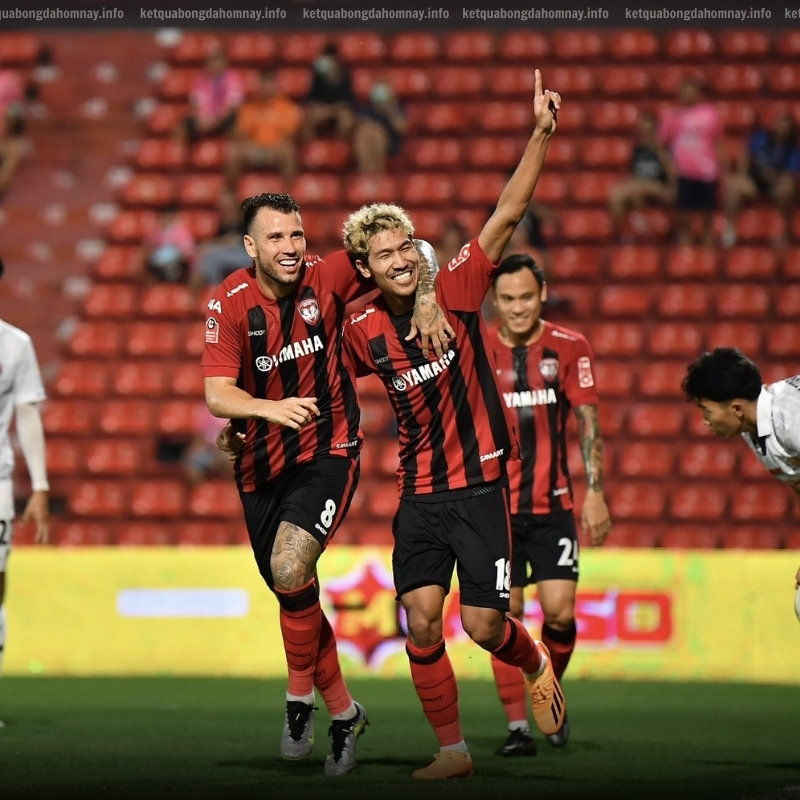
759,225
523,45
301,48
637,500
634,45
206,534
193,48
646,459
139,379
698,501
168,300
745,44
150,190
373,535
215,499
473,46
742,300
149,339
755,263
209,154
498,152
177,417
480,188
111,300
612,418
690,537
784,79
158,498
684,300
577,263
363,189
68,417
656,420
186,379
616,339
145,534
614,378
582,299
382,500
81,379
750,468
166,117
783,340
119,264
362,47
571,120
763,503
668,77
421,47
688,44
736,79
736,115
562,153
580,45
126,417
317,190
787,43
115,457
457,82
693,263
787,301
253,183
612,116
744,335
252,49
439,153
632,534
160,154
610,152
674,339
572,81
377,416
636,263
662,379
586,225
617,81
593,188
427,188
202,222
293,81
64,457
95,340
511,81
177,83
427,224
321,226
751,537
625,301
503,116
696,428
97,499
707,460
76,533
18,49
323,154
131,227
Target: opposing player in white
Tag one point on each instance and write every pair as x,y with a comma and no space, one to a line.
727,386
21,390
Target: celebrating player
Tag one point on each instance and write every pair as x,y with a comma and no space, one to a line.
21,391
544,370
454,444
272,364
727,387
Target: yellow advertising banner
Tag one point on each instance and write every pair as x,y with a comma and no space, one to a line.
642,614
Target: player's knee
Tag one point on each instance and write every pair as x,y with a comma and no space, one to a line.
561,619
516,608
486,629
288,573
424,629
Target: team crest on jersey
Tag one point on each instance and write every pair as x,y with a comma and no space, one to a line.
549,368
264,363
399,383
585,377
309,310
212,331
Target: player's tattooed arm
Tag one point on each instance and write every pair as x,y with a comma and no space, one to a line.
591,445
294,557
429,319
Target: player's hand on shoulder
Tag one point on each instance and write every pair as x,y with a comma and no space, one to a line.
230,442
595,519
545,106
293,412
430,323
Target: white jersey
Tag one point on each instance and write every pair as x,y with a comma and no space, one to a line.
20,383
776,442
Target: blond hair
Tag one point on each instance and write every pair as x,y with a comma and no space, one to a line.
368,221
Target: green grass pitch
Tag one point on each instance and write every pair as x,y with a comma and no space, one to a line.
205,738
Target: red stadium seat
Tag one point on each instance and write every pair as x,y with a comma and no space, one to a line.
203,223
81,379
656,420
293,81
738,79
186,379
382,500
764,503
783,340
97,499
784,79
126,417
694,44
694,263
169,300
787,302
409,83
439,153
506,116
736,115
788,43
751,537
254,183
588,225
473,46
511,81
375,535
139,379
581,298
616,81
321,226
158,498
422,47
427,224
163,154
19,49
131,227
317,190
662,380
579,45
193,48
612,116
301,48
427,188
616,339
572,119
201,190
177,417
68,417
64,457
759,224
744,335
148,339
113,300
252,49
671,339
577,263
363,189
635,45
496,152
631,534
743,44
115,457
377,416
756,263
707,460
215,499
606,151
145,534
612,418
637,501
593,188
572,81
206,534
323,154
637,263
209,154
166,117
646,460
176,85
523,45
119,264
698,501
614,379
152,190
481,189
742,300
625,301
95,340
684,300
456,81
362,47
690,537
70,533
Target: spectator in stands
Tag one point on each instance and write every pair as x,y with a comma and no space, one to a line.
380,130
693,132
451,241
770,168
203,459
170,248
13,145
215,98
652,179
330,104
264,135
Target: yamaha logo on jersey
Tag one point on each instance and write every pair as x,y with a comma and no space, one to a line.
264,363
309,310
399,383
549,368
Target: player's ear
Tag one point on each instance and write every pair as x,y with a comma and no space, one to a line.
363,268
543,293
249,245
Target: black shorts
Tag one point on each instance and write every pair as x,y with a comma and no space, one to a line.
314,496
471,531
696,195
549,543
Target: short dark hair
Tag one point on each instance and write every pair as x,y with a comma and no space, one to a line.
723,375
517,262
277,201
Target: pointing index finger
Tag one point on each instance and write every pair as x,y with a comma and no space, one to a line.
537,82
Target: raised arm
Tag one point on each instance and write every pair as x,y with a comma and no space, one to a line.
517,194
429,319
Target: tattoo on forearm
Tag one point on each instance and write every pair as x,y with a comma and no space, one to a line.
425,279
294,556
591,445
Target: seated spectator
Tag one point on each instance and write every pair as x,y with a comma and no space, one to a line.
693,132
202,459
264,134
215,98
380,130
769,168
330,102
170,249
453,238
652,180
13,145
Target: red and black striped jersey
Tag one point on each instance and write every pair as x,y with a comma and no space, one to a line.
540,384
287,348
453,429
